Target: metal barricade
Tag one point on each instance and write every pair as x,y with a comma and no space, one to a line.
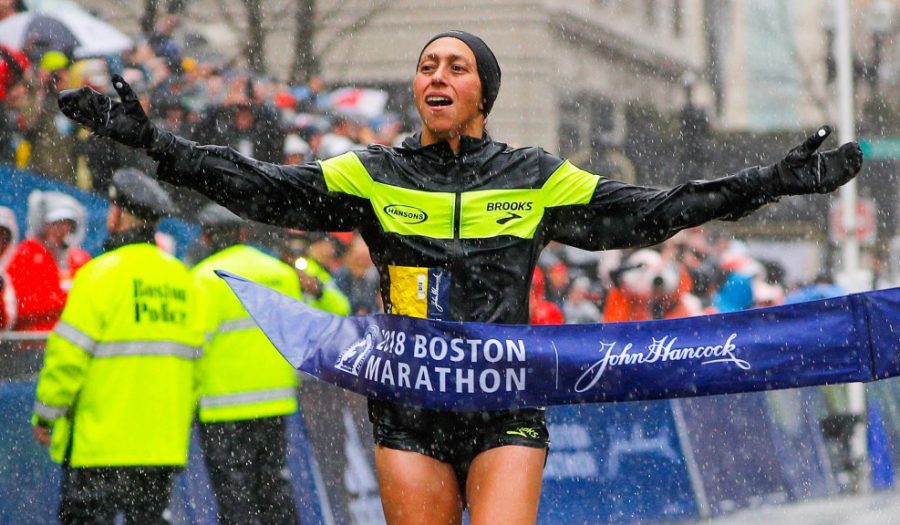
21,354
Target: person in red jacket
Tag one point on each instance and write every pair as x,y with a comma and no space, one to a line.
9,237
650,286
43,265
542,311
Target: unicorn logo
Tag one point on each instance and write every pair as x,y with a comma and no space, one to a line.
352,359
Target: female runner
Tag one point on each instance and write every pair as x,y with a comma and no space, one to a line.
455,222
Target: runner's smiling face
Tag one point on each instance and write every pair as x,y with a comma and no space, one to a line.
447,91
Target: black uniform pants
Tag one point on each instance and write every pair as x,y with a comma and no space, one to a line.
246,461
95,495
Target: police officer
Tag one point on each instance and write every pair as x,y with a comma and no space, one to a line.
117,386
246,388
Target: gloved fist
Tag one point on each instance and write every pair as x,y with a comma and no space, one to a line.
124,122
805,171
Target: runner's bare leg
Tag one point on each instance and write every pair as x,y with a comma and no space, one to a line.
417,489
504,486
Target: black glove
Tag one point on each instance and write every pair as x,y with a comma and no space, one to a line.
124,122
805,171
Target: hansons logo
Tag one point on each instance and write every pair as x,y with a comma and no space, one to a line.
660,350
406,214
351,360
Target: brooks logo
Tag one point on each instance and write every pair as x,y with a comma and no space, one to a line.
525,432
509,206
508,218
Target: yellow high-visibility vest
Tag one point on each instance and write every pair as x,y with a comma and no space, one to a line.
241,375
119,368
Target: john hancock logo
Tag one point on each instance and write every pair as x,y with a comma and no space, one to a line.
351,360
659,350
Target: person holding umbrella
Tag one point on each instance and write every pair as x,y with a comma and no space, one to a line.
455,222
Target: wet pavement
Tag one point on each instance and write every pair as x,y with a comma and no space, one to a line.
881,508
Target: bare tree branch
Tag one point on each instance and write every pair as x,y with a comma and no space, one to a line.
255,49
306,61
229,19
328,15
148,19
356,25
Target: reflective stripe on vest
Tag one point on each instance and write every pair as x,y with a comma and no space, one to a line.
235,325
244,398
134,348
75,336
49,412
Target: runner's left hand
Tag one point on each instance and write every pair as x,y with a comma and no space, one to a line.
125,121
804,170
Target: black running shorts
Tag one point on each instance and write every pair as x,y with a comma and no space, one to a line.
455,437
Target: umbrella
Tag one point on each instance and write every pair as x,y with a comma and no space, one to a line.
74,32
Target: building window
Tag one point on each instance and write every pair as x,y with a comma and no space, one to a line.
587,124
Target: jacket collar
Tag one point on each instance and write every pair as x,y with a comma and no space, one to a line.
468,146
136,235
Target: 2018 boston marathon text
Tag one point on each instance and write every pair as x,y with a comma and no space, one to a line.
435,363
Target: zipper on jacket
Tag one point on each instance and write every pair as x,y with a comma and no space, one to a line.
457,203
457,214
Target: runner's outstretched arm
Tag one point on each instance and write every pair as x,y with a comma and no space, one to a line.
293,196
619,215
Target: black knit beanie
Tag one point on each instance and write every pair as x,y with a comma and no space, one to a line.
488,68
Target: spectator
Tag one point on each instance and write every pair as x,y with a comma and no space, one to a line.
13,73
358,279
11,7
171,113
162,43
557,283
341,139
388,131
822,287
296,150
9,237
648,286
51,138
542,311
323,249
735,294
579,306
314,256
768,287
308,96
43,265
249,128
312,129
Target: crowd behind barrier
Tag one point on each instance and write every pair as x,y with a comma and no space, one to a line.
627,462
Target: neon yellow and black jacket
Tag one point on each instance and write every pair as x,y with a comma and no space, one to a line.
118,375
241,375
456,237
